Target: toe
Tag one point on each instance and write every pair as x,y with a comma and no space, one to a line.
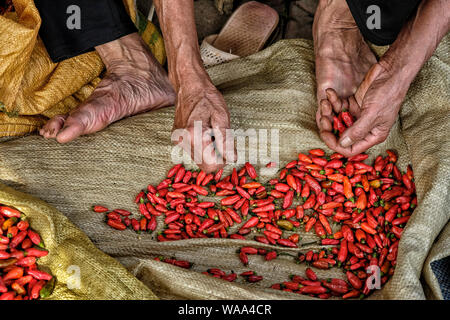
53,126
71,130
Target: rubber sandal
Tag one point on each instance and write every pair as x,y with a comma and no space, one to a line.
245,33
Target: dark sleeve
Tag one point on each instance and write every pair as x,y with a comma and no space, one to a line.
101,21
393,15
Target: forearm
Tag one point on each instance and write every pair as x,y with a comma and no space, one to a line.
418,39
180,37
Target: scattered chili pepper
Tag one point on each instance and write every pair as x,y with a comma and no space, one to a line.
368,204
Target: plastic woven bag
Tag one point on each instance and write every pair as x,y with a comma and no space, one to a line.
81,270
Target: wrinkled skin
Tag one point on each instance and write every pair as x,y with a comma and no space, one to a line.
342,56
377,101
197,97
209,107
376,105
135,82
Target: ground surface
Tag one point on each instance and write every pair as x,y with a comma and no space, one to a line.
296,17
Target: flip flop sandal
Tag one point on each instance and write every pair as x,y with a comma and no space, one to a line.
245,33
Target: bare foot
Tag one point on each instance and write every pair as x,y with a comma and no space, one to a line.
342,56
135,82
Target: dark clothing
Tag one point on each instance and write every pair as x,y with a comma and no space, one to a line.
101,21
393,15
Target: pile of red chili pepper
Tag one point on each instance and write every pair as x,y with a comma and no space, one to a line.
358,211
20,247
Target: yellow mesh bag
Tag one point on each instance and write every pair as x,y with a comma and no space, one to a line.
32,87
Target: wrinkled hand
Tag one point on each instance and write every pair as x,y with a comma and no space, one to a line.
375,105
204,104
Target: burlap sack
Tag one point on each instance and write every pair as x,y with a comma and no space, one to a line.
274,89
81,270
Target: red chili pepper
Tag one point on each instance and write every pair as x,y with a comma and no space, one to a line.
361,202
252,222
329,241
18,239
173,170
164,184
250,170
143,224
310,202
234,177
265,208
214,228
218,175
254,278
282,187
231,277
286,243
99,209
201,175
244,258
207,179
13,273
249,250
36,289
343,251
206,205
116,224
4,240
39,275
152,224
347,188
291,285
114,216
313,183
122,212
304,158
242,192
359,157
22,225
144,209
317,152
38,253
337,287
311,222
230,200
236,218
347,118
321,264
236,236
320,231
313,290
205,224
290,179
288,199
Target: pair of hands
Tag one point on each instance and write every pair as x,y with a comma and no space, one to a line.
375,106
